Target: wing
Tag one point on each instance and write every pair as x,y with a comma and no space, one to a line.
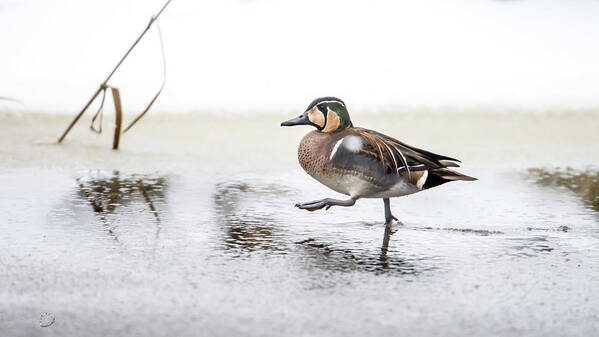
371,148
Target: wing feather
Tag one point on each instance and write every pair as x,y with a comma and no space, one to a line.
386,150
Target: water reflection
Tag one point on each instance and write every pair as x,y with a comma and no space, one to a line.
107,192
584,183
348,260
531,246
246,218
248,214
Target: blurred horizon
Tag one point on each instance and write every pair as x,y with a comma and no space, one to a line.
376,55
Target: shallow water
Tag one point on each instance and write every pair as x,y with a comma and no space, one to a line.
190,230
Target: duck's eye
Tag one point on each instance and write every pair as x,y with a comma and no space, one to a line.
322,107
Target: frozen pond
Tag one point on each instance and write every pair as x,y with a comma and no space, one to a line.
192,231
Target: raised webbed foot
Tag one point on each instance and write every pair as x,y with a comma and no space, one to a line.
325,203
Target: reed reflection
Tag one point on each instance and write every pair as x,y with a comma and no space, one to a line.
106,193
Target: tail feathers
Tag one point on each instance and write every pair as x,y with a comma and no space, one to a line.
447,163
452,175
440,176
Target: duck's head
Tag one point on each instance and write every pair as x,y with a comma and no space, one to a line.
327,114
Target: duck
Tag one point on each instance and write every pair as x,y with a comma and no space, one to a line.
363,163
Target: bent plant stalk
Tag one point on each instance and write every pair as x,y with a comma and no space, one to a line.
104,84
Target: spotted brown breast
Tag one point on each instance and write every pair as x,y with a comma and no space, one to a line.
312,152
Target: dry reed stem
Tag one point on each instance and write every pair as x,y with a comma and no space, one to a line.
104,84
116,97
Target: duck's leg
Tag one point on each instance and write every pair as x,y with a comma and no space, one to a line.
318,204
388,216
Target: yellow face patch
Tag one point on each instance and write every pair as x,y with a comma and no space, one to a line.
332,122
316,117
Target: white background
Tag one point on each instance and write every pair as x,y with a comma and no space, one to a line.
278,55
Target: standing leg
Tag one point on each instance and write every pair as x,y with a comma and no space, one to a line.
388,232
388,216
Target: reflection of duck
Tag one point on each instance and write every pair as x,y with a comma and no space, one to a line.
363,163
251,229
106,193
331,258
531,246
